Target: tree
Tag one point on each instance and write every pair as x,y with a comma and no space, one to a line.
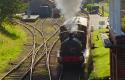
8,8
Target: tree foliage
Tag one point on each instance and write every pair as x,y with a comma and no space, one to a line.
123,23
9,7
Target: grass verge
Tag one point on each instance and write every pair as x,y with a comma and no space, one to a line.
12,38
100,58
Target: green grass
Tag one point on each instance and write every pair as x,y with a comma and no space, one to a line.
12,38
100,57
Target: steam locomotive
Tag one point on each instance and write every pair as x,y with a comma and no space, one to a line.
73,38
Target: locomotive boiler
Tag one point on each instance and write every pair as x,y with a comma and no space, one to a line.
73,38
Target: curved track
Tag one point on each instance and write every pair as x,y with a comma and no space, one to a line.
12,73
27,65
40,63
44,62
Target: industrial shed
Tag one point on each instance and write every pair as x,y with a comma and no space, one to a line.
43,8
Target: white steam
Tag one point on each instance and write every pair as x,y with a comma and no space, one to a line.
72,27
68,7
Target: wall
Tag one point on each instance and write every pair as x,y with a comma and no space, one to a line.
117,37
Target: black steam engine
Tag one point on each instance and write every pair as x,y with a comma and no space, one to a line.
73,37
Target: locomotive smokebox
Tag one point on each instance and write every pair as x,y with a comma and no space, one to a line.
71,36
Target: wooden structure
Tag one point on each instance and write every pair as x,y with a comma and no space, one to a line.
117,38
31,18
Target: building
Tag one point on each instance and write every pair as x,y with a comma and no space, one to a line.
117,37
43,8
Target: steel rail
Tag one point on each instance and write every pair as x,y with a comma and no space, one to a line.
29,54
46,53
36,50
48,58
34,54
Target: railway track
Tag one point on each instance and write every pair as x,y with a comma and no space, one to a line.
74,73
35,55
70,75
25,67
46,59
44,66
52,60
40,63
20,64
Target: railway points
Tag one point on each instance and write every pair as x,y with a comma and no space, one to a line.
43,54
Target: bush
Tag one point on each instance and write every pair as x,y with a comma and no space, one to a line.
123,22
91,8
84,6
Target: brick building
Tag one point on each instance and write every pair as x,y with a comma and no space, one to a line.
117,37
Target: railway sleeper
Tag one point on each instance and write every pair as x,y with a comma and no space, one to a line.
13,78
53,55
15,75
53,65
27,61
21,71
24,66
42,64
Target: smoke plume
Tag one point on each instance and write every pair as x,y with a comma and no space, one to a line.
68,7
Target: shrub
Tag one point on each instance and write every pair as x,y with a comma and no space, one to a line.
92,8
123,22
